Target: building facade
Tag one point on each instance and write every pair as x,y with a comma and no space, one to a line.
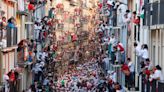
153,30
13,34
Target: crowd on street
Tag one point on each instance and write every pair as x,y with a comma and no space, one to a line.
94,75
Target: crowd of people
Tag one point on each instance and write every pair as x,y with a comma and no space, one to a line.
142,65
92,76
88,77
150,74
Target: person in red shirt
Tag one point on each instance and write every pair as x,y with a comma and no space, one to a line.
13,75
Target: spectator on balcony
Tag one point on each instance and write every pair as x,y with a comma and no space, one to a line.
128,76
106,64
144,52
137,47
127,16
149,64
5,83
13,76
37,30
51,13
111,44
130,65
4,24
157,73
120,48
137,52
11,22
132,72
127,19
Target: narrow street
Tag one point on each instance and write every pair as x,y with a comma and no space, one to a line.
81,46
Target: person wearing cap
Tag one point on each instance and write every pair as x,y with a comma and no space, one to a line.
128,75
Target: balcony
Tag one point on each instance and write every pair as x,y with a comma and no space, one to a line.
22,12
11,36
8,37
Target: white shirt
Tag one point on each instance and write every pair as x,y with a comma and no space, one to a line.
127,20
106,60
5,78
157,74
4,42
44,55
144,53
138,50
131,66
112,40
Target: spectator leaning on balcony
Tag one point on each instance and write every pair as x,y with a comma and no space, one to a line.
120,48
127,16
137,52
156,74
137,47
128,75
13,76
11,22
